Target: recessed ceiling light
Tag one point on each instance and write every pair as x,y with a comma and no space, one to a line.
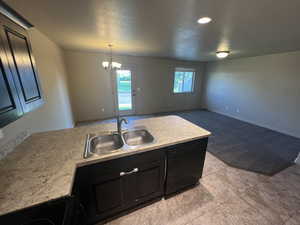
204,20
222,54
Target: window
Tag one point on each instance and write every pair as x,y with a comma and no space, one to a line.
184,80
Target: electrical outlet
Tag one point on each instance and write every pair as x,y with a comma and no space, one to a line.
238,110
226,107
102,109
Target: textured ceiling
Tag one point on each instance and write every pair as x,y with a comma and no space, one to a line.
168,28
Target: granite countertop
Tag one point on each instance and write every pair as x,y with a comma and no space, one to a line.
42,168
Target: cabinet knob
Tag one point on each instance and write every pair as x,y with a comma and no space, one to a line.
135,170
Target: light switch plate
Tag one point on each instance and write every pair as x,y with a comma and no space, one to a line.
1,134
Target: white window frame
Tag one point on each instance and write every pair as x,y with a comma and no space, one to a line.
182,69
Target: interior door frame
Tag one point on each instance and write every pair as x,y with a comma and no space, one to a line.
133,93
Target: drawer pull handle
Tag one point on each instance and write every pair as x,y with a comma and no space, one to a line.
130,172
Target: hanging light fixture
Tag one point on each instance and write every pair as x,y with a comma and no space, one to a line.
111,65
222,54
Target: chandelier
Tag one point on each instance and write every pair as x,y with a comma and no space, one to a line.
111,65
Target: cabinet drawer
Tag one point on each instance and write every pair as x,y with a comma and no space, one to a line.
102,170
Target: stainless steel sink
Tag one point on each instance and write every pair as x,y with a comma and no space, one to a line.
137,137
103,144
113,142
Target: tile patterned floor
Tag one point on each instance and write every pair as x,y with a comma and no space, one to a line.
227,196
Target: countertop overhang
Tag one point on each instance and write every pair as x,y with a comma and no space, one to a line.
43,167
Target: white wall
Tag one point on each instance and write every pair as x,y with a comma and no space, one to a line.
91,85
264,89
56,112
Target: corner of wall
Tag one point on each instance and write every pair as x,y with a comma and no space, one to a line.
203,86
67,78
9,146
297,160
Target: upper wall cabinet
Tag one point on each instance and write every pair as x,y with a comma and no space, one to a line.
20,87
10,107
22,64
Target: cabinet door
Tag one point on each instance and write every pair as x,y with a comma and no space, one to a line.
101,195
10,108
100,189
144,180
108,195
143,183
184,165
149,181
22,64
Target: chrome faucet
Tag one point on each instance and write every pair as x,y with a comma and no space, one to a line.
119,123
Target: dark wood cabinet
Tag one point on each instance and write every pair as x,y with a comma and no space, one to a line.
107,194
109,188
184,165
56,212
20,90
148,181
10,107
22,64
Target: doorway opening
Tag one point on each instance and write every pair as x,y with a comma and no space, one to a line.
125,92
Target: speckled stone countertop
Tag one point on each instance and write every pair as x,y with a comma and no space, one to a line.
42,168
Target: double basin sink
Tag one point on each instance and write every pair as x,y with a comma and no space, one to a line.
113,141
